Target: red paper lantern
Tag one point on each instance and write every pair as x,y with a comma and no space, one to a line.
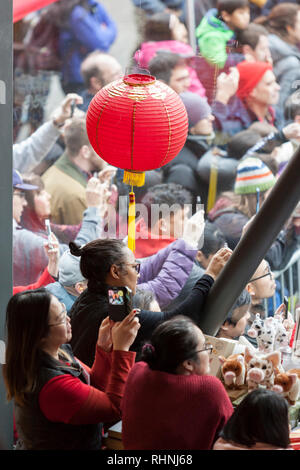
137,124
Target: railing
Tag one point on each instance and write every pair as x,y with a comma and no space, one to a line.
289,278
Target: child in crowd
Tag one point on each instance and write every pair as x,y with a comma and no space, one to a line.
216,33
236,320
260,422
218,28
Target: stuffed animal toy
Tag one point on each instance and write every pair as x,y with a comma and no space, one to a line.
233,371
261,368
256,327
289,384
265,332
281,336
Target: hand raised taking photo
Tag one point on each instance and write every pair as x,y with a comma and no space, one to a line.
218,262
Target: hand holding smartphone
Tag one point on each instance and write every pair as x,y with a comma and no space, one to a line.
119,302
49,232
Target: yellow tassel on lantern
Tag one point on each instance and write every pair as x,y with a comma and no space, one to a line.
131,222
134,178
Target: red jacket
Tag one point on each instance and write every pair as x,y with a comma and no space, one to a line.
162,411
43,280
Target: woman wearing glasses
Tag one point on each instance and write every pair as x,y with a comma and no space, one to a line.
59,401
108,262
170,400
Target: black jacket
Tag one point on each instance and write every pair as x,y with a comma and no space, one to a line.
91,307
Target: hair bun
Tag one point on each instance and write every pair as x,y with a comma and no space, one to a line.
75,249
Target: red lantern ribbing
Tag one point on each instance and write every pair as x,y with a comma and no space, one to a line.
137,124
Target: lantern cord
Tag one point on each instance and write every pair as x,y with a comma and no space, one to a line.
131,221
213,182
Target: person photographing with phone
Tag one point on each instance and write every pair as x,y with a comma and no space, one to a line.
109,263
60,403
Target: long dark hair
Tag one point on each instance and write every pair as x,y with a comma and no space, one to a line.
262,416
27,323
157,27
172,342
97,257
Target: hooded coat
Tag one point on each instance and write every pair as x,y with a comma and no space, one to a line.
149,49
213,36
286,67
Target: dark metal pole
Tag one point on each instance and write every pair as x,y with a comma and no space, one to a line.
6,419
252,247
191,26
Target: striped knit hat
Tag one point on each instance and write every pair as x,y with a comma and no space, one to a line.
252,173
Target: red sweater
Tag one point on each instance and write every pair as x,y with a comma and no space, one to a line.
68,400
162,411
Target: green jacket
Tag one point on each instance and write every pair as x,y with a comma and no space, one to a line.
213,35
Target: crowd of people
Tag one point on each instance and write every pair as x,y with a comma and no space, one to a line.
70,369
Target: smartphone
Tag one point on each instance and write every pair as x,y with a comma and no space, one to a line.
119,302
286,304
73,106
48,228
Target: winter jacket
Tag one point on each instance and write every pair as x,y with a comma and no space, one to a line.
183,168
213,37
196,273
235,117
29,257
231,222
66,183
91,307
87,31
31,151
149,49
286,67
166,272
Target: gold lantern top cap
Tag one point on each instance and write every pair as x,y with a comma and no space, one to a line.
139,79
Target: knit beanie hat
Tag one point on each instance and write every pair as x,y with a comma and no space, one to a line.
197,108
250,75
69,269
252,173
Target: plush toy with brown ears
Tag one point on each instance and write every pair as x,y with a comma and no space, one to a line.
261,368
290,385
233,371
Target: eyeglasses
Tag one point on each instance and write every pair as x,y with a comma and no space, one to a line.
207,347
64,311
269,273
136,266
